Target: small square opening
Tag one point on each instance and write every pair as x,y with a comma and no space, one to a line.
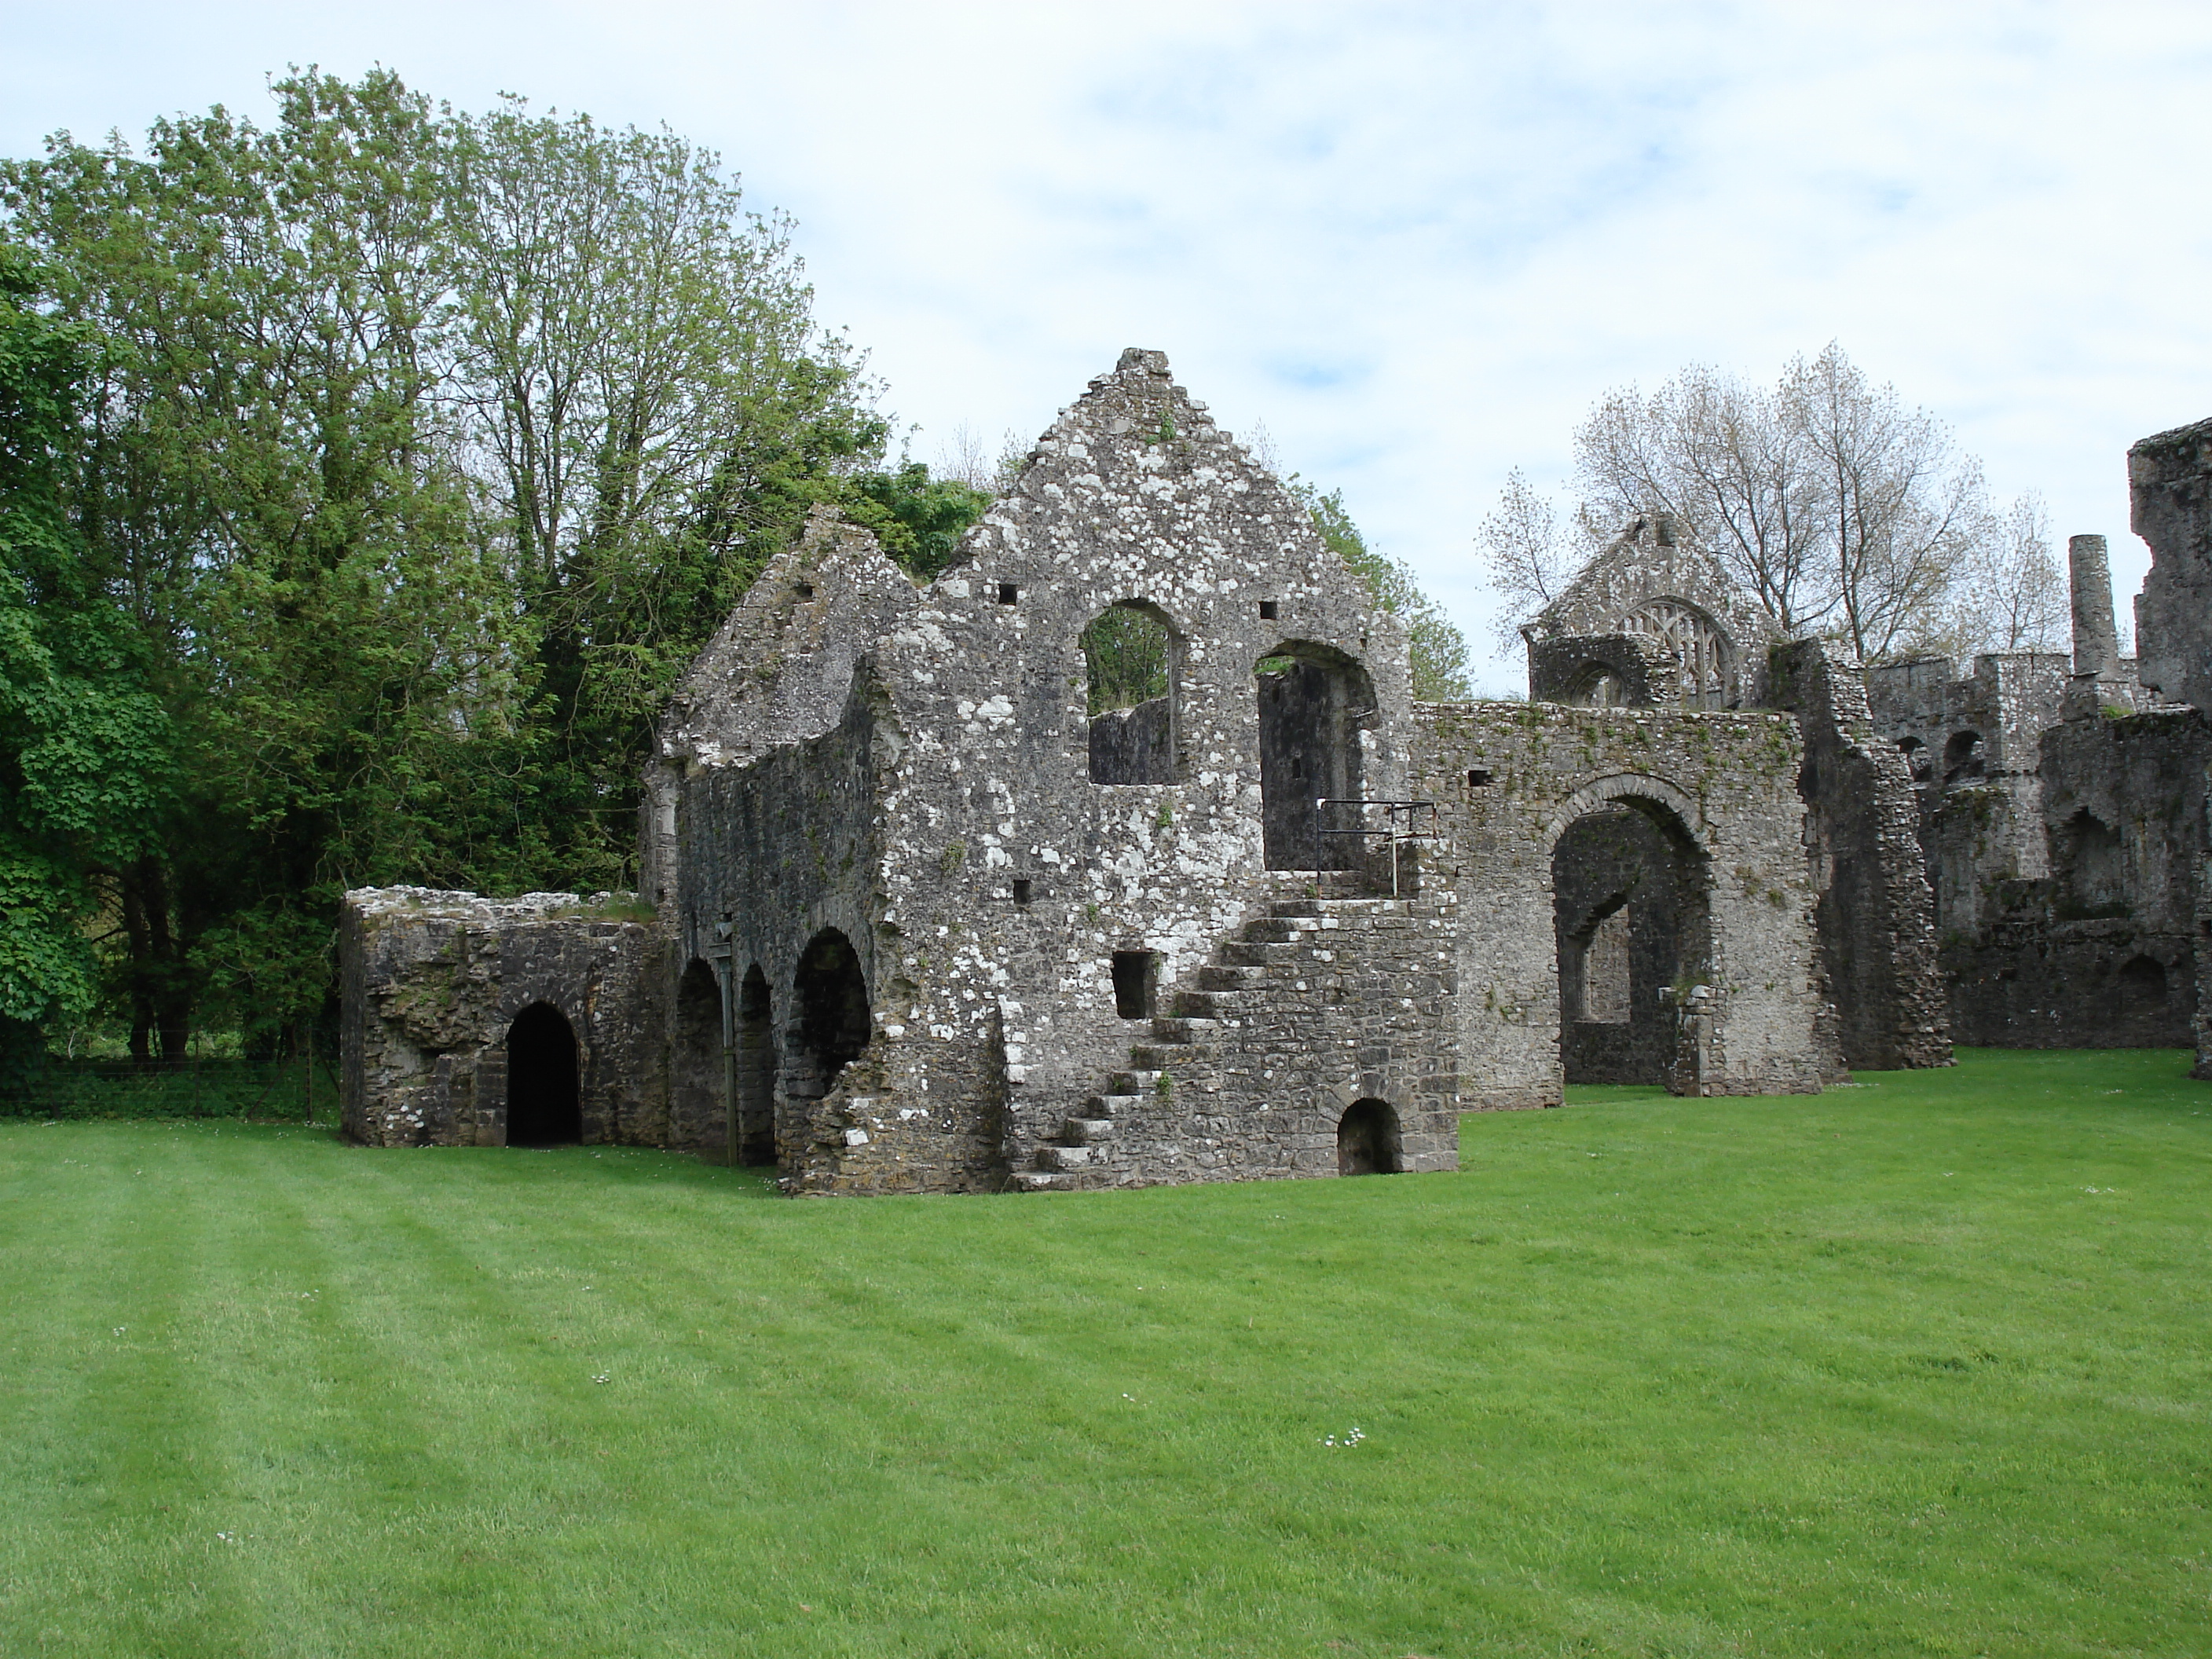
1477,778
1022,891
1009,592
1136,981
804,589
1270,610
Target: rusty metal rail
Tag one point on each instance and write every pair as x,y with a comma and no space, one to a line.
1410,811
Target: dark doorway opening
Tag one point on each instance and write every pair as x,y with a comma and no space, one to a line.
1315,703
544,1108
755,1070
832,1026
1367,1139
1136,982
694,1106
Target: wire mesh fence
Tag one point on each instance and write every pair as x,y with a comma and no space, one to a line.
295,1090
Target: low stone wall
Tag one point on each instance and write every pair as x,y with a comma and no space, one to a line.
432,981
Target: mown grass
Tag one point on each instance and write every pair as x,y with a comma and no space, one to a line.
1914,1368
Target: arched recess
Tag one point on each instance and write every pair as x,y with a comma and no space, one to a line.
1632,920
755,1068
1918,760
2095,867
1369,1140
1594,685
830,1025
1133,664
1964,760
1315,702
694,1106
544,1107
2142,982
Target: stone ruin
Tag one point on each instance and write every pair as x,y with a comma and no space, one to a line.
1121,853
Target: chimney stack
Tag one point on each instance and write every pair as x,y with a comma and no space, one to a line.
2096,641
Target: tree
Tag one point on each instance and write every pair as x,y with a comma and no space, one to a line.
1435,646
1840,508
2009,594
429,449
84,745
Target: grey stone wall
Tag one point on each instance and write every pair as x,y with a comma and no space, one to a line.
1863,821
432,981
1509,779
2170,495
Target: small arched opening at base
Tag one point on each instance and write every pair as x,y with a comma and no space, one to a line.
832,1025
1368,1140
2143,988
544,1107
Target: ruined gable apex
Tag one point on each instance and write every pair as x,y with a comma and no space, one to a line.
1134,492
1656,610
781,668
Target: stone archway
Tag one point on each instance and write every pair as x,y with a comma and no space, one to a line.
1632,927
694,1106
1369,1140
1315,702
544,1104
831,1023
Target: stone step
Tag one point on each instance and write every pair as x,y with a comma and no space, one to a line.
1219,1005
1042,1181
1087,1131
1254,953
1219,976
1132,1085
1184,1028
1050,1157
1179,1058
1114,1105
1298,907
1279,930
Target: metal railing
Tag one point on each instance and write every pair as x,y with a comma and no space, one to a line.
1410,811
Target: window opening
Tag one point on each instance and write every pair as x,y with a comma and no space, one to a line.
1009,593
1131,660
1136,982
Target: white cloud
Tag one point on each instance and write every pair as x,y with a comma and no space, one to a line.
1417,242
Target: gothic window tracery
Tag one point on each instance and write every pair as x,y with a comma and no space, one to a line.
1701,651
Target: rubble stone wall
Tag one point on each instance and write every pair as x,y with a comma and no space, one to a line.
431,980
1509,778
1863,822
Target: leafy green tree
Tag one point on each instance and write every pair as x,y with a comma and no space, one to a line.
430,449
1435,645
84,745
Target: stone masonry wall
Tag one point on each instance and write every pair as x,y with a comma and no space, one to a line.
1877,919
1509,778
431,982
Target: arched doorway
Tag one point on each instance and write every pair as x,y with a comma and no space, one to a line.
831,1025
755,1070
544,1106
1315,702
1630,915
694,1106
1368,1140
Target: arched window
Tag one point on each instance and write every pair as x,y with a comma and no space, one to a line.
1918,760
1131,662
1704,656
1315,703
1963,759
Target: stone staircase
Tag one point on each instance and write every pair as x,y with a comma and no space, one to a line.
1258,968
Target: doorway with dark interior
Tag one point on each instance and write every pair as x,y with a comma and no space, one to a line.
544,1107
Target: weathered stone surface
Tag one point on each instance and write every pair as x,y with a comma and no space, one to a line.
432,980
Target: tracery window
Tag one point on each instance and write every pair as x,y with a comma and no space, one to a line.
1703,655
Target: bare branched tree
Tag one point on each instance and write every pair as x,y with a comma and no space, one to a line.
1528,556
1844,511
2008,593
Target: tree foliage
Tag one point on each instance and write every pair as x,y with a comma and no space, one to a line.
423,451
1436,646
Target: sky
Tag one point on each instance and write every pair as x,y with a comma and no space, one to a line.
1416,242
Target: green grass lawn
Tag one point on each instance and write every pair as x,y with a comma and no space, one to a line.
1916,1367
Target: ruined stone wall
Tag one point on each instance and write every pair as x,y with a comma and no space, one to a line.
1618,866
1508,780
1862,822
1001,879
2101,953
2170,494
431,982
